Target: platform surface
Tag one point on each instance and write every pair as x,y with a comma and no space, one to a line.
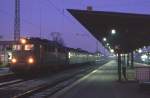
4,71
102,83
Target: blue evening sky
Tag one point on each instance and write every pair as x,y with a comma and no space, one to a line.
51,16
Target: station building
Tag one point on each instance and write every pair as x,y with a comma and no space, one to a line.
5,52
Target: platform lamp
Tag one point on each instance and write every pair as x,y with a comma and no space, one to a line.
113,31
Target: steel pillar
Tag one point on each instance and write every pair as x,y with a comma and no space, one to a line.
119,67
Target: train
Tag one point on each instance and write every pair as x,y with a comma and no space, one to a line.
32,55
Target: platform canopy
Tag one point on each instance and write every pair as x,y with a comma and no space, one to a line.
130,31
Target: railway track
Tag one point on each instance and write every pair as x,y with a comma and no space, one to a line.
11,82
48,89
44,86
7,77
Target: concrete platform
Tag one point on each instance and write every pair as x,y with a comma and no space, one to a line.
4,71
102,83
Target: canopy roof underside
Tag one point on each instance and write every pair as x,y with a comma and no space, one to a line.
132,30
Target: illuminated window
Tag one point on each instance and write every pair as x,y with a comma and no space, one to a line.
28,47
16,47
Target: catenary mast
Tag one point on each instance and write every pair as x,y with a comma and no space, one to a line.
17,21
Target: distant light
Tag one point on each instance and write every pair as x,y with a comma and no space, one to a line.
113,31
144,57
104,39
112,50
70,54
107,44
140,50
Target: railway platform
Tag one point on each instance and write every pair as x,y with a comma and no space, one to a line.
102,83
4,71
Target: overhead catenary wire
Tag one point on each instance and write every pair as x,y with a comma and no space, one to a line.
24,20
61,12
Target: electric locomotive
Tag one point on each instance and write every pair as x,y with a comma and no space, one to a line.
32,55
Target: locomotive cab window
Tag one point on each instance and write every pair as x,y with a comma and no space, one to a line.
28,47
17,47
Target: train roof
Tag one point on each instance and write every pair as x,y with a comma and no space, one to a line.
37,40
77,50
44,41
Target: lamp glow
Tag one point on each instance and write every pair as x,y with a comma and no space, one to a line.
30,60
104,39
14,60
107,44
23,41
113,31
112,50
140,50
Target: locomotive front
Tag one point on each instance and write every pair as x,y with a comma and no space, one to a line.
23,58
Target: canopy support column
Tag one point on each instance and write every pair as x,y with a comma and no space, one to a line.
119,67
132,59
128,60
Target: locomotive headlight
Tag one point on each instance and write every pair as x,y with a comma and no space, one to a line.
14,60
23,41
30,60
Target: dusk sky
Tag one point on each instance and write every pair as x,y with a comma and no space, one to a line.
51,16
